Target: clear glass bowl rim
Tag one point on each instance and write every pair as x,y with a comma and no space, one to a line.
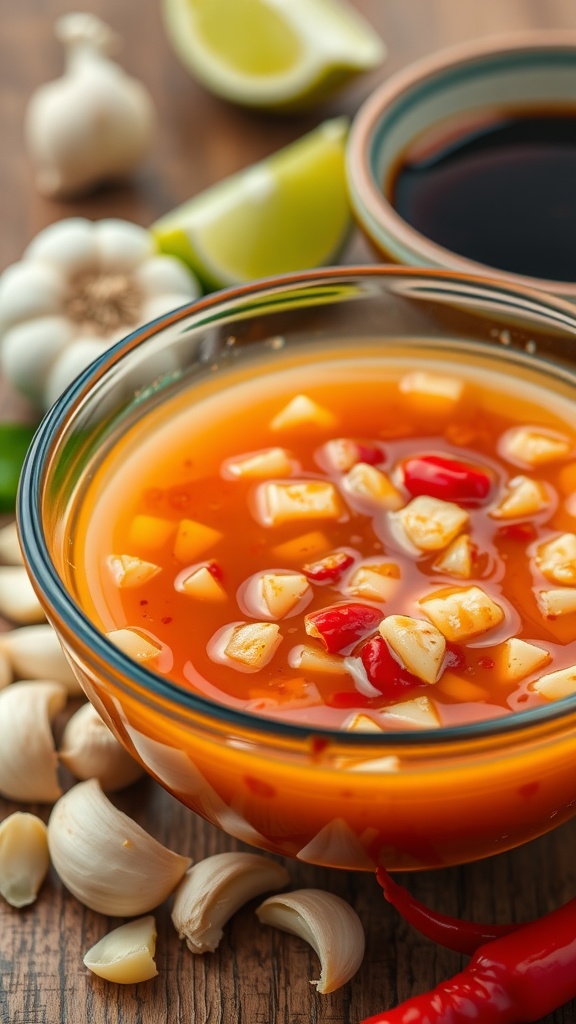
128,673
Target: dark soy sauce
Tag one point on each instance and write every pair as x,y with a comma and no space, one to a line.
501,191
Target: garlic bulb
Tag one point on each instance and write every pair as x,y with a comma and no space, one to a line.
93,124
80,286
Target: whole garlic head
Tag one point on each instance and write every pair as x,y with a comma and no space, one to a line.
80,286
93,124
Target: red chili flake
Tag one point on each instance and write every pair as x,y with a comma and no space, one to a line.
143,601
382,669
523,532
329,568
215,570
166,620
344,699
487,663
448,479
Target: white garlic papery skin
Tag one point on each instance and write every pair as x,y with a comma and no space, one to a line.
93,124
80,287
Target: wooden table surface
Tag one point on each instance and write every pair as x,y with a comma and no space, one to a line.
258,975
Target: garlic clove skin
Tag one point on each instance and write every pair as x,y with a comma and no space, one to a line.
90,751
69,245
215,888
93,124
24,858
34,652
10,550
126,954
28,762
28,290
18,601
106,859
327,923
29,350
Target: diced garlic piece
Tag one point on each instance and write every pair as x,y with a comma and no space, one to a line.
534,446
202,585
129,571
419,712
283,591
557,559
303,499
312,659
432,391
362,723
462,614
268,463
303,411
126,954
149,533
525,497
458,558
374,581
515,659
301,548
193,539
340,454
557,602
253,644
556,685
134,644
371,485
419,646
430,523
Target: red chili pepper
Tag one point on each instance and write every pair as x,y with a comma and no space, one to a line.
518,978
461,936
342,624
448,479
329,568
382,669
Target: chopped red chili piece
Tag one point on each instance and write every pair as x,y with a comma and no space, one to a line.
342,624
382,669
522,532
369,453
522,976
346,699
447,479
329,568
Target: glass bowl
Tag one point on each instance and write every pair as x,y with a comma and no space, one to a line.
408,799
442,93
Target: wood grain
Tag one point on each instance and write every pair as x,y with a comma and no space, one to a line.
257,975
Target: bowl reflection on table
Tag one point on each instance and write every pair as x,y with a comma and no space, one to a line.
406,799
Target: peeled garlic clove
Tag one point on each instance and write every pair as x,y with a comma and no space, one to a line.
28,762
214,889
35,653
24,858
106,859
126,954
90,751
328,923
18,602
10,551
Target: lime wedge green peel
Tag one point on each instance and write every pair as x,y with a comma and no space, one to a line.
272,53
288,212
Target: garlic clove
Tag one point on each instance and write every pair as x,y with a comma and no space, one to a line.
18,601
166,275
24,858
126,954
10,550
121,245
29,349
90,751
158,305
29,290
215,888
327,923
34,652
5,669
106,860
28,762
69,245
70,362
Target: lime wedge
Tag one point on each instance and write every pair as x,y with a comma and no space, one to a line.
272,53
288,212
